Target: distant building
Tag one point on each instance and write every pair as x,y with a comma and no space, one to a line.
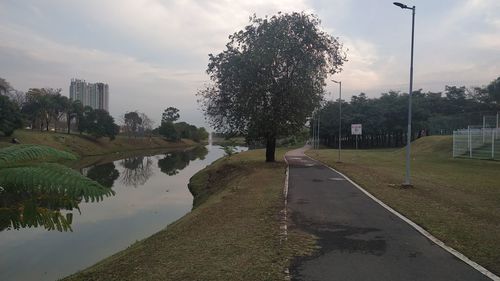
95,95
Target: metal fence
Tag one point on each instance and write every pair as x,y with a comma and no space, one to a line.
479,143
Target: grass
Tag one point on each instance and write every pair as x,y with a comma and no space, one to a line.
233,233
84,145
457,200
232,141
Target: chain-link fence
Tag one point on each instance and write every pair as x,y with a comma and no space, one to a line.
477,142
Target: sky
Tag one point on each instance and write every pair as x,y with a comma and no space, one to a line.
154,53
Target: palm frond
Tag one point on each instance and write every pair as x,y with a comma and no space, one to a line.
17,154
51,177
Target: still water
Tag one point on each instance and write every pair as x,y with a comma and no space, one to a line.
150,192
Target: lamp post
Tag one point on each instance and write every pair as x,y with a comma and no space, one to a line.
319,115
408,135
340,116
313,125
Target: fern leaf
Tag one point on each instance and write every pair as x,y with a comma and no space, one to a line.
51,177
17,154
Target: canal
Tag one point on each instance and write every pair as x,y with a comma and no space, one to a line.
150,193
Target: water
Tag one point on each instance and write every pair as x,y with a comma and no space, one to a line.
150,193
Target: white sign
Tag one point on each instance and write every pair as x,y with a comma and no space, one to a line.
356,129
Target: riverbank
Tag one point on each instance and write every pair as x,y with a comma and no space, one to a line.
456,200
233,233
83,145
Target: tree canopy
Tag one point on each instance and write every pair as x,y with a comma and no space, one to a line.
270,77
170,114
132,122
10,116
384,118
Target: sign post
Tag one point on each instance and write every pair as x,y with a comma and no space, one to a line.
356,129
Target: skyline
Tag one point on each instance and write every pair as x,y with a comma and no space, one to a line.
154,54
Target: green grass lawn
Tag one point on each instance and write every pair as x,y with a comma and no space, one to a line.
84,145
233,233
457,200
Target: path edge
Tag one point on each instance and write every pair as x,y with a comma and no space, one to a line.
422,231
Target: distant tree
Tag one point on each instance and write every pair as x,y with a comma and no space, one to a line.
73,110
202,134
167,130
146,125
132,122
4,86
100,124
270,78
170,114
188,131
10,116
14,95
42,106
17,97
494,91
59,105
86,119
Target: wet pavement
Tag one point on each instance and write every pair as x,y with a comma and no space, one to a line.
358,238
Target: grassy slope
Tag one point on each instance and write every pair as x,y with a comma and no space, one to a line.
233,234
87,146
457,200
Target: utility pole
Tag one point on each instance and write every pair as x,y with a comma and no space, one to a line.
340,117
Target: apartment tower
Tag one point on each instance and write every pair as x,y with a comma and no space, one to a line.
95,95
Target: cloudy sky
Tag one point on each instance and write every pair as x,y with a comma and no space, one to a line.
154,53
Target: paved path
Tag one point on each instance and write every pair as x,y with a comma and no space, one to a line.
359,239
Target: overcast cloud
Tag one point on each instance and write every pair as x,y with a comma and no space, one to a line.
153,54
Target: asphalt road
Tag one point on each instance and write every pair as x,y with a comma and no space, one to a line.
359,239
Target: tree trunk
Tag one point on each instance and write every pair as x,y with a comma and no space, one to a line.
270,149
68,119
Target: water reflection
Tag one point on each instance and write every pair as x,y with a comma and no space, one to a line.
173,162
105,174
54,210
103,228
36,209
137,170
50,210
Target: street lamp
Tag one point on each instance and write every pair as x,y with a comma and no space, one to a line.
408,135
340,116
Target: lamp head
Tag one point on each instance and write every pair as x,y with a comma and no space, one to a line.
402,6
335,81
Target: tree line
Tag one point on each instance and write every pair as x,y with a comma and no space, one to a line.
45,109
139,124
384,118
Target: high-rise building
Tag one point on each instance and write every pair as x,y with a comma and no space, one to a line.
95,95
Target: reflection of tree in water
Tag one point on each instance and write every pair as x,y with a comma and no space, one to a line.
175,161
105,174
137,170
36,209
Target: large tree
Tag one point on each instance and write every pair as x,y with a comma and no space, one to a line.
132,122
170,114
494,91
10,116
98,123
43,105
270,77
4,86
74,110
